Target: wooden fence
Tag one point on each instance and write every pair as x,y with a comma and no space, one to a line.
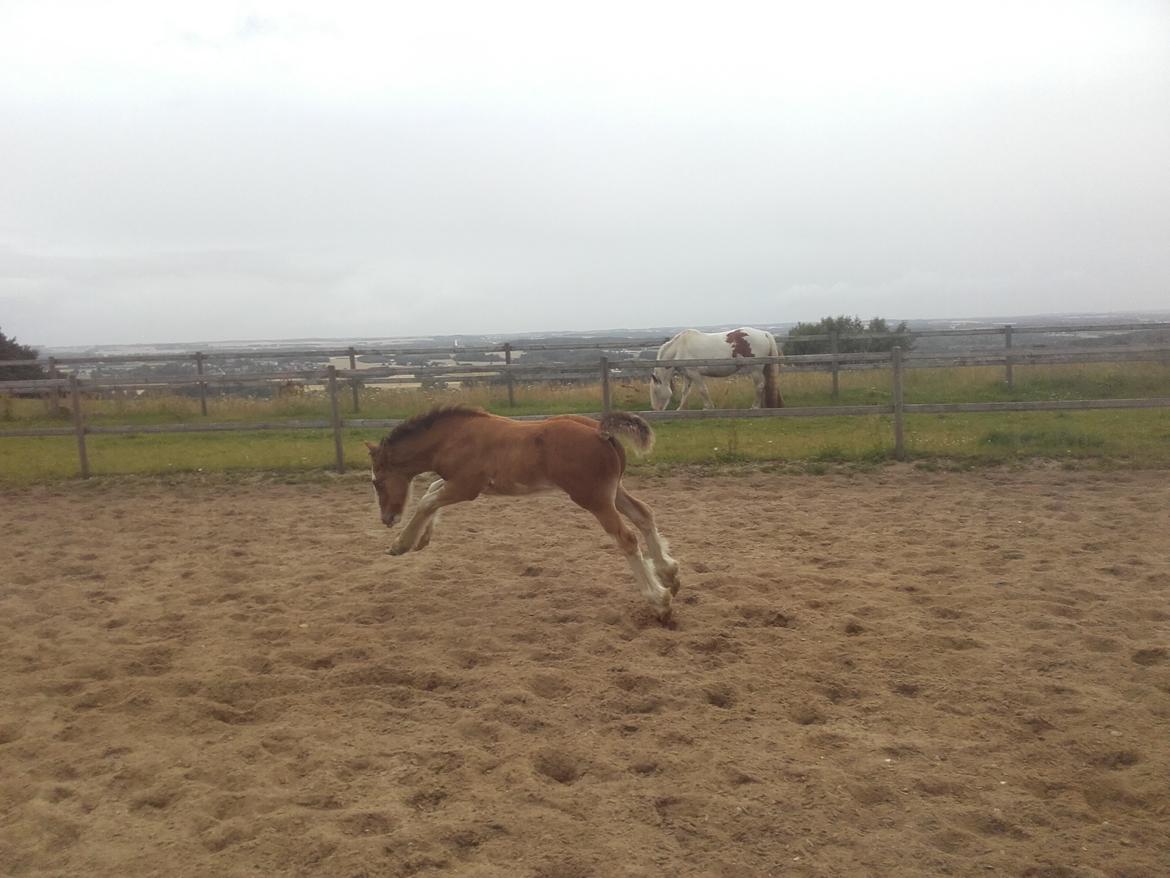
837,360
605,371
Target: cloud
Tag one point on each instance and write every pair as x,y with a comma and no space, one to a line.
305,169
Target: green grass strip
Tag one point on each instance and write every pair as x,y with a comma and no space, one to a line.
1134,437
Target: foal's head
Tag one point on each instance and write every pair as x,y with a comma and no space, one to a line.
408,450
391,483
660,389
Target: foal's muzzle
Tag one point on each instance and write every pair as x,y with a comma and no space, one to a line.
390,520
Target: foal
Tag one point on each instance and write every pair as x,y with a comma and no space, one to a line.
474,452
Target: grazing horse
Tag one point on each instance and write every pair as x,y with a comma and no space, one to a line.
691,344
474,452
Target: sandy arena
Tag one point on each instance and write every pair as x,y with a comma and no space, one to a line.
894,674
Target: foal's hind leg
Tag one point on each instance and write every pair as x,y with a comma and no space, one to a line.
643,518
643,571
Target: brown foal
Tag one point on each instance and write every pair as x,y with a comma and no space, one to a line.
474,452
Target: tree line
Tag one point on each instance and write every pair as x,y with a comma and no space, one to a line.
882,340
11,349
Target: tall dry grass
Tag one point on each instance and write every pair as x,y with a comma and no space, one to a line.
800,388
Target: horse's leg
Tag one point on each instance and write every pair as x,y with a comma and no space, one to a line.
431,502
643,518
607,514
424,538
708,403
758,378
686,391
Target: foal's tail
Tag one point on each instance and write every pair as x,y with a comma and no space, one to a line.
631,426
772,398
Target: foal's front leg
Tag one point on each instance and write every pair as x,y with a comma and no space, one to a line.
428,530
416,533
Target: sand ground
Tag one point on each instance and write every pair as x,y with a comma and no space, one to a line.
902,673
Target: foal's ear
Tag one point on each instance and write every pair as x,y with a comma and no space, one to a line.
372,448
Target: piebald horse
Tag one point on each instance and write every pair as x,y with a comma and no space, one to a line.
474,452
691,344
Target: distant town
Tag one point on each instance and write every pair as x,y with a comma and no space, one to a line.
445,350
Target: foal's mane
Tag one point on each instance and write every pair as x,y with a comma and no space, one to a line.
422,422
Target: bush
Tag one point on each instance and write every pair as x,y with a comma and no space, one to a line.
845,327
10,349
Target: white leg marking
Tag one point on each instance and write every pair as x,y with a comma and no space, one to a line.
643,518
424,538
643,571
421,521
648,584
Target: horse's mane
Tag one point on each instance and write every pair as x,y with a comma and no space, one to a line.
422,422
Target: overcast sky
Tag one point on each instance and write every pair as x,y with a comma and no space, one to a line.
228,170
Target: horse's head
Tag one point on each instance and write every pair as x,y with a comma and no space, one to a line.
660,389
391,484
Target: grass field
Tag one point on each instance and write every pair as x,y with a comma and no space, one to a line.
1121,437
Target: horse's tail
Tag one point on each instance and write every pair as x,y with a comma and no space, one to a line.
772,398
629,425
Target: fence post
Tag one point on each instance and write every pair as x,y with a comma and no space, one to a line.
834,349
508,373
899,427
354,380
202,386
1007,343
78,424
606,403
51,401
335,415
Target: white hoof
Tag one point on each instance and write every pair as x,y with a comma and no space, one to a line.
664,613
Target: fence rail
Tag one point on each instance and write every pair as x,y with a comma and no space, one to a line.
329,353
606,370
